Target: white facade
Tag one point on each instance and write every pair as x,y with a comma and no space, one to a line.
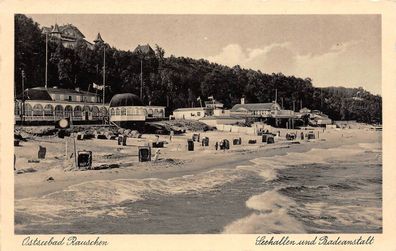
136,113
190,113
255,109
48,110
221,112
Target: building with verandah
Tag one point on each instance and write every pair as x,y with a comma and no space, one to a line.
44,105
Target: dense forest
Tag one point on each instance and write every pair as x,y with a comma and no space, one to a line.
177,81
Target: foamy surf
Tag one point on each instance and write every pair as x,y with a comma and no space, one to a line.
270,216
103,193
277,211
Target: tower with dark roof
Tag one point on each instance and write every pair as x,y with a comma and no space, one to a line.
55,32
98,39
144,50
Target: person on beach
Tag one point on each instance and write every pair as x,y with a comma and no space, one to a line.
171,135
156,155
217,145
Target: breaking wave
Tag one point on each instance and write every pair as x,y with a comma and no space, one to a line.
304,207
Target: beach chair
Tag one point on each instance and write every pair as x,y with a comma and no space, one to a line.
84,159
41,152
190,145
144,153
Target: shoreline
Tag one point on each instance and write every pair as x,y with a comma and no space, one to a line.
34,185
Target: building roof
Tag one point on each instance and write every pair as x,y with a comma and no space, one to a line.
253,106
35,94
55,29
144,49
46,30
52,90
125,99
41,93
189,109
98,39
63,28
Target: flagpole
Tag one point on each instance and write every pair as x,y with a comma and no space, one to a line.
46,60
141,79
104,75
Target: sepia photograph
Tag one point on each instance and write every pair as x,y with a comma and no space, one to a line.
197,124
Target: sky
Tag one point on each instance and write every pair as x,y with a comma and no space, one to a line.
332,50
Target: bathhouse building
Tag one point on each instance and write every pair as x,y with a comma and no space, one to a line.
193,113
41,105
128,111
256,110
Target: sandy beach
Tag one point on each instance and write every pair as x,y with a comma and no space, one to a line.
202,159
174,163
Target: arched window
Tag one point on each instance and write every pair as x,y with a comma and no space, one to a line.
48,110
123,111
28,110
118,111
112,111
95,112
59,111
77,111
38,110
161,113
68,111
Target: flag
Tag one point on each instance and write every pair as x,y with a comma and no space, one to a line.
210,97
199,99
97,87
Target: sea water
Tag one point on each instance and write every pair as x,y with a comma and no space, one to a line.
337,190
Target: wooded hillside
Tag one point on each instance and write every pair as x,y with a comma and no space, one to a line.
177,81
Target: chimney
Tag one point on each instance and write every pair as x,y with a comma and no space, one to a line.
242,101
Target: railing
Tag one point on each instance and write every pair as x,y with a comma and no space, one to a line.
52,118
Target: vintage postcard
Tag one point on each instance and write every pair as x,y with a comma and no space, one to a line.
227,126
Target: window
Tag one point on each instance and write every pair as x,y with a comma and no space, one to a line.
70,98
28,110
48,110
77,111
38,110
58,111
68,111
95,112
